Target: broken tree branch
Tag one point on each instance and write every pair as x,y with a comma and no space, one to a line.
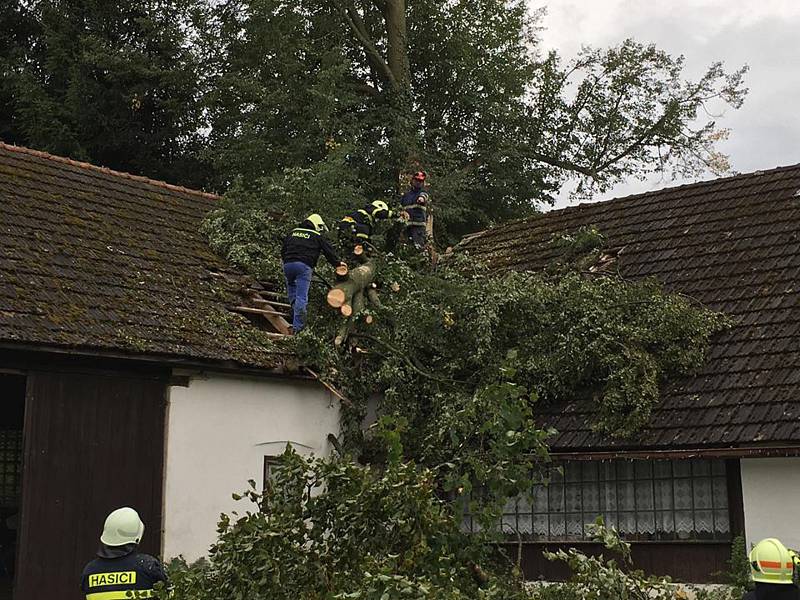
359,29
410,363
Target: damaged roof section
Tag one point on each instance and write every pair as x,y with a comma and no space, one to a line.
92,259
732,244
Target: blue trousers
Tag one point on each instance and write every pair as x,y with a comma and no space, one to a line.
298,280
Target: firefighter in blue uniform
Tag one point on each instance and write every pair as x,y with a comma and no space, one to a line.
119,568
415,205
773,570
300,253
358,226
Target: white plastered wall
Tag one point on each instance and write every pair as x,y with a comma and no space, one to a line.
771,491
219,430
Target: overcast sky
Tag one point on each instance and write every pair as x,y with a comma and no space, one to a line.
764,34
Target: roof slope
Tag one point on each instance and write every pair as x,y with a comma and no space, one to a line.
98,260
734,245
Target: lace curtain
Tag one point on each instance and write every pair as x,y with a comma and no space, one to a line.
682,499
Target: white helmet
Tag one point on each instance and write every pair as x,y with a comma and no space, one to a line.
123,526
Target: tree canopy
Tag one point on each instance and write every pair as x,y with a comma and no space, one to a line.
202,93
115,83
457,88
319,105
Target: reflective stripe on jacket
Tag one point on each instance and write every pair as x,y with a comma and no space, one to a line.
114,578
417,212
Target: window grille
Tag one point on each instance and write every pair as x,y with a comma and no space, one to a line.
10,467
643,500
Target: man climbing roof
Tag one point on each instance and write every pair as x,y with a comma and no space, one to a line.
300,253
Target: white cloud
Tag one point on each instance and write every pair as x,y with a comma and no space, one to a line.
761,33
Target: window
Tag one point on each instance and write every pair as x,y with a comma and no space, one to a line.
10,468
642,499
272,464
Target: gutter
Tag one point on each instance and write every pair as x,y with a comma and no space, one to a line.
768,451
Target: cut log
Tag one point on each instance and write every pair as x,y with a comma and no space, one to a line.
341,272
369,319
349,310
357,280
337,298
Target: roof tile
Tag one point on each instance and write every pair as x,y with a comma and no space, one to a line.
733,244
106,261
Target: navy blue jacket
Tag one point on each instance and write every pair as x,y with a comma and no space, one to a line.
773,591
358,223
127,571
415,208
304,245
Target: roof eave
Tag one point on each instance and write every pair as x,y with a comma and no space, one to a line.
284,370
769,450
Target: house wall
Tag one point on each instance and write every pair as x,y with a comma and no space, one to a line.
219,430
771,491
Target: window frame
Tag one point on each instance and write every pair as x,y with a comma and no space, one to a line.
271,461
722,477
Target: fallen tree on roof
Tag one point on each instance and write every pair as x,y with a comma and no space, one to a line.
351,293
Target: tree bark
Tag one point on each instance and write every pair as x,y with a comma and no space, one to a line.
394,15
358,279
350,297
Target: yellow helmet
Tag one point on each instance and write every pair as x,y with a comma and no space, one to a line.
317,222
380,209
771,562
123,526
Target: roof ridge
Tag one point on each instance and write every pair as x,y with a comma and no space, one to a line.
106,171
619,199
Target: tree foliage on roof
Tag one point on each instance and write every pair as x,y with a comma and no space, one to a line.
460,355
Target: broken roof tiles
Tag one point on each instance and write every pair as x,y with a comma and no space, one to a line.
96,260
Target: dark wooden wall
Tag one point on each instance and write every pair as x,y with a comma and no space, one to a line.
94,441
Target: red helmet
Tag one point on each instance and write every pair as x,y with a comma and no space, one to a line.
420,176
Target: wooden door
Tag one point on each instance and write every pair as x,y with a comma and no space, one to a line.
94,441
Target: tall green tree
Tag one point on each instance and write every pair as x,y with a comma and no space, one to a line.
112,82
456,87
18,29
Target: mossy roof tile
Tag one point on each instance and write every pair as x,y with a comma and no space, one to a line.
92,259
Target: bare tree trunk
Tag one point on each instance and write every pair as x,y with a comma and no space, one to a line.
394,15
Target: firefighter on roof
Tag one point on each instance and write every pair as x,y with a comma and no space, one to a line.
415,205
